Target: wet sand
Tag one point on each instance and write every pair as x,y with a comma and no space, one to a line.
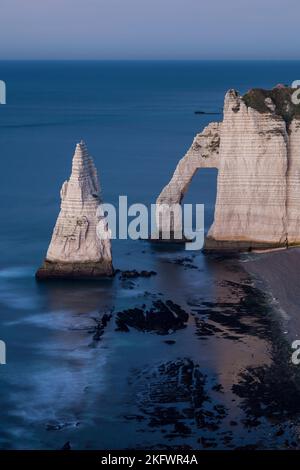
279,274
191,358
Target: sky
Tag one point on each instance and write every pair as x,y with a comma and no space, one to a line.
149,29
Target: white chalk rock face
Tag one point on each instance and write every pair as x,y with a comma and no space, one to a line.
256,149
203,153
251,190
76,250
293,184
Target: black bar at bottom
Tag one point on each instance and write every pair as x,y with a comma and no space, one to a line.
134,459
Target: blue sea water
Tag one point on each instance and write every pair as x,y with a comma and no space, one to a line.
137,119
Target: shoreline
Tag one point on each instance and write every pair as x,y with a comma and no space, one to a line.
277,274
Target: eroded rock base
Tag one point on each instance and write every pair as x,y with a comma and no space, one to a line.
86,270
240,245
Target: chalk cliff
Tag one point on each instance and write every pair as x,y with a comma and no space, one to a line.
75,250
256,149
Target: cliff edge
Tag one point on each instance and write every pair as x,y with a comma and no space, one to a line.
256,149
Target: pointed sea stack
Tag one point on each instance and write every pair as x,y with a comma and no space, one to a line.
75,250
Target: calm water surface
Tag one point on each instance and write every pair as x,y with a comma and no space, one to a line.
211,384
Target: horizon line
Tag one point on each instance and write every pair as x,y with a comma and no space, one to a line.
151,60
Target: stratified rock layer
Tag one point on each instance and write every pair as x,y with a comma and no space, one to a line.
257,153
76,251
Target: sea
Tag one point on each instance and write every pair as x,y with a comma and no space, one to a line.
218,380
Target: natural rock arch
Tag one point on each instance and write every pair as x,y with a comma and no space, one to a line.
203,153
256,149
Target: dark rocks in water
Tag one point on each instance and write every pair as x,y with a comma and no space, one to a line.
66,446
175,398
101,324
251,422
135,274
233,423
121,325
162,318
170,341
186,262
235,318
133,417
105,319
270,392
179,430
207,443
218,388
205,112
204,329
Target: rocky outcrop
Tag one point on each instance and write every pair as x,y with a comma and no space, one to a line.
76,251
257,153
203,153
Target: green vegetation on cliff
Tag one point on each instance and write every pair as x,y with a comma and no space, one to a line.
281,96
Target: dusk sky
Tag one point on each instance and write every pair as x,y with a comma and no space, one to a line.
149,29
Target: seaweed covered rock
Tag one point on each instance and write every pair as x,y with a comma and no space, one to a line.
162,318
